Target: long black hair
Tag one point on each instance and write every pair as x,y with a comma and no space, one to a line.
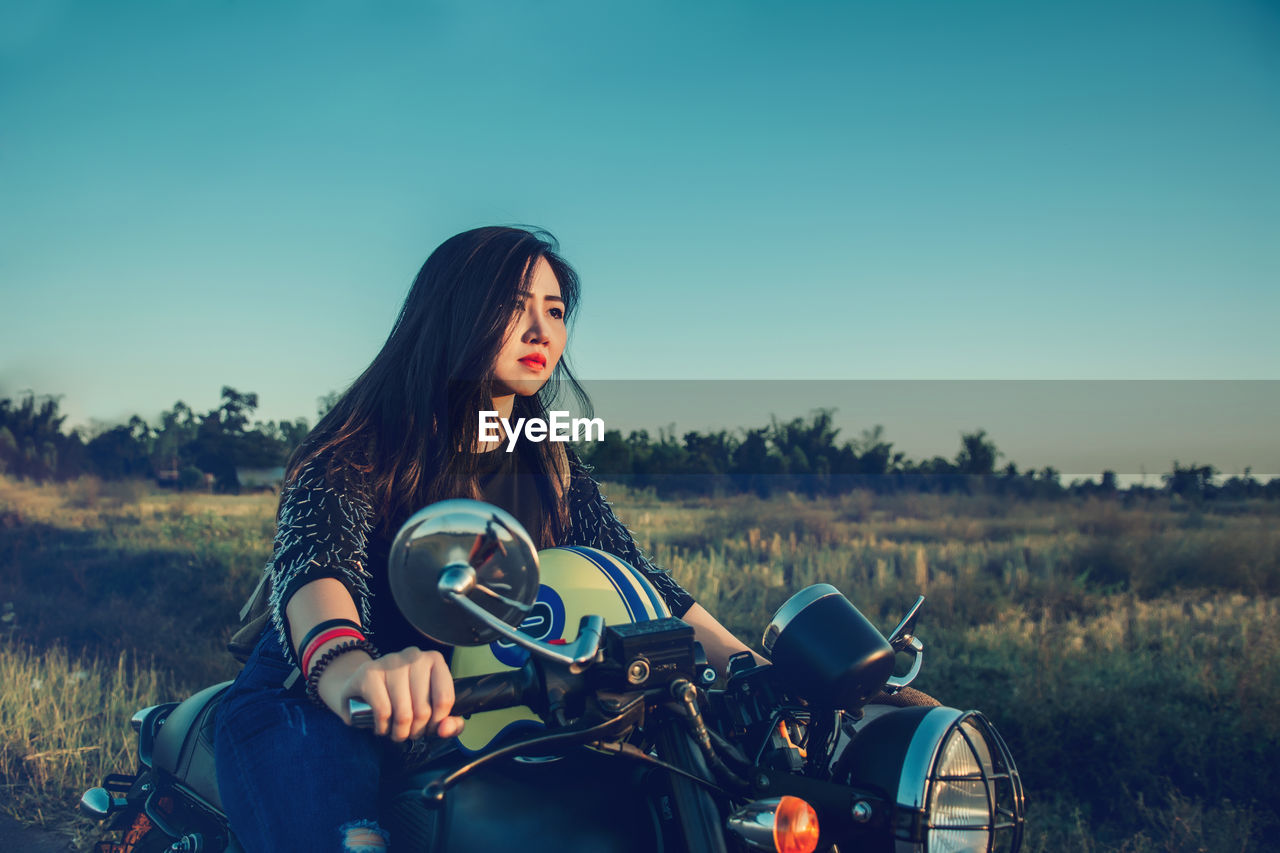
409,422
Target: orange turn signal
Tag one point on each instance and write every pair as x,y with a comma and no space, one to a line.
795,826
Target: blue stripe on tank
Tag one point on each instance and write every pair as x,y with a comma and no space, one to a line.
627,590
659,607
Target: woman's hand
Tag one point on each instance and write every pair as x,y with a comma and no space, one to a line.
410,691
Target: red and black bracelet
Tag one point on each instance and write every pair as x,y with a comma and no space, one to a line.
313,677
325,637
324,627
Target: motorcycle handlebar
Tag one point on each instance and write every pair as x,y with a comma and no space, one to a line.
489,692
471,695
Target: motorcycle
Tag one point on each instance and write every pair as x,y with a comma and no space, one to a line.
791,757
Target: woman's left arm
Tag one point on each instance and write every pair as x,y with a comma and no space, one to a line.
717,641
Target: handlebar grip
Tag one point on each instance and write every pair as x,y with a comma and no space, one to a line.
490,692
472,695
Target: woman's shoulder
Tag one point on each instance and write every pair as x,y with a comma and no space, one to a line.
339,473
580,481
576,472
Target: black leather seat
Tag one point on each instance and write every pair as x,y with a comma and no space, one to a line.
184,744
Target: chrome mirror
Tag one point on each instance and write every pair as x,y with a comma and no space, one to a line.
465,573
477,550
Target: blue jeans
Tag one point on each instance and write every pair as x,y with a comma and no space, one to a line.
292,775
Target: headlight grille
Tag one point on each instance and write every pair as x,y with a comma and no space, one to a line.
975,802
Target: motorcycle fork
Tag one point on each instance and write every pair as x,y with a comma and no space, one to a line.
696,813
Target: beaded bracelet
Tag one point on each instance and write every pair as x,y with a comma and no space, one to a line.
313,677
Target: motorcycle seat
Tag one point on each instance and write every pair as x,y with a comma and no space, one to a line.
184,744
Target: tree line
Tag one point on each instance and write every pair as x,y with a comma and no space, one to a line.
182,448
803,455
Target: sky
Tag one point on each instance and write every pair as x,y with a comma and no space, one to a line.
199,194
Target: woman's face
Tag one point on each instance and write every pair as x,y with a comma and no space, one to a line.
535,338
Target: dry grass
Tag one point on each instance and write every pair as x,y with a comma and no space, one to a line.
63,726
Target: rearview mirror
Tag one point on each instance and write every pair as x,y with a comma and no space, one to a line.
463,548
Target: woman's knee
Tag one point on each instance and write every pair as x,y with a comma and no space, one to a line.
363,836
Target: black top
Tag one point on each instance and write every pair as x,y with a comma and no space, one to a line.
506,482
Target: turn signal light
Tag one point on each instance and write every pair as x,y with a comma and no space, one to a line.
795,826
776,825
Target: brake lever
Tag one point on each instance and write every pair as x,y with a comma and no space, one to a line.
903,639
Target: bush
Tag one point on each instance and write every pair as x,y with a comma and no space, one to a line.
190,478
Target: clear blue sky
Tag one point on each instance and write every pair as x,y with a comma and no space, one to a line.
198,194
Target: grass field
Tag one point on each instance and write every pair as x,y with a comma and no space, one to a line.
1130,655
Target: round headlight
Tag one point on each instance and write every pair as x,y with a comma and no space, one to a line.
972,793
949,775
962,797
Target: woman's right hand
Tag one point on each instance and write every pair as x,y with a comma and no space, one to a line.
410,692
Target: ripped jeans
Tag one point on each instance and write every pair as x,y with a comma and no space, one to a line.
291,775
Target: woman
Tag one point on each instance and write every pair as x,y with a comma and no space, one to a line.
483,328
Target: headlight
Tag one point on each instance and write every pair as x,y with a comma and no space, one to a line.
955,784
964,800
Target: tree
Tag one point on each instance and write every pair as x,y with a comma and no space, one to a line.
1242,487
178,428
809,449
326,402
755,464
123,451
610,457
223,441
36,447
9,455
1193,482
1050,481
977,456
711,453
875,455
236,409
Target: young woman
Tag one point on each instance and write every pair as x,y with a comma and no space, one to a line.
483,328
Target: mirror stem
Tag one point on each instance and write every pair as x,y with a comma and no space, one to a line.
457,579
